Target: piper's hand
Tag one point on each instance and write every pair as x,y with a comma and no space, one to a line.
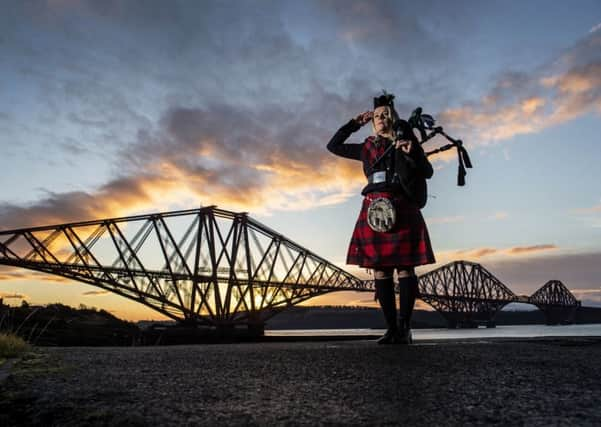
403,144
365,117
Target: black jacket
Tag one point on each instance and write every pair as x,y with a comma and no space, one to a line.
412,169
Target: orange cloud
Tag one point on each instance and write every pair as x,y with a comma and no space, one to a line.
519,250
14,295
95,293
498,216
201,159
476,254
594,291
592,209
14,273
523,104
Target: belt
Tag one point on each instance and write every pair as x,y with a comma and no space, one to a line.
377,177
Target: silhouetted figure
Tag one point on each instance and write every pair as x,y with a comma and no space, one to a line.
390,233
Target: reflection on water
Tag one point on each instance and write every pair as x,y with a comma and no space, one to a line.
517,331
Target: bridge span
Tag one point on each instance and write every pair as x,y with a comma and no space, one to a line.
223,269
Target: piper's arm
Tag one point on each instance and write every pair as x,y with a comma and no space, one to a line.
337,145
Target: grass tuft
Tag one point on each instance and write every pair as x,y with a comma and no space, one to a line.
12,346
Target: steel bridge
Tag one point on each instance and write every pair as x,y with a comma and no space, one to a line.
205,266
222,269
467,294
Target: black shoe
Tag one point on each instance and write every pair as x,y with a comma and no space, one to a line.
391,336
405,335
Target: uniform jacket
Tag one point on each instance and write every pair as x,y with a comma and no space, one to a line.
412,169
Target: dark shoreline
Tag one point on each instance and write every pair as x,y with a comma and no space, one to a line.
60,325
354,382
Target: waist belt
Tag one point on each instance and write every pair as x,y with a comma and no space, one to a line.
377,177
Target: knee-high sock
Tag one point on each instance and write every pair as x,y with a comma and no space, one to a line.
408,292
386,298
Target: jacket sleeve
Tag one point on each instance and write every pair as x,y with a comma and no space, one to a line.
337,145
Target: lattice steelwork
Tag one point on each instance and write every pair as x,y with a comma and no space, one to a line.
207,265
464,292
556,301
553,293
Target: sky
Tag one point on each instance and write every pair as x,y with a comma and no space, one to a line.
112,108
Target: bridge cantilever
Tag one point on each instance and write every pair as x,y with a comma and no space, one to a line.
206,265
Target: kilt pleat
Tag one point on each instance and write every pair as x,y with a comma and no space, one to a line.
406,245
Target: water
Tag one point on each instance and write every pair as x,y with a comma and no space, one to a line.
515,331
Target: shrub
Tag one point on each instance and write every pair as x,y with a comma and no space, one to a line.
11,345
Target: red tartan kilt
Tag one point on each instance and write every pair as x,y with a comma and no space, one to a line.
406,245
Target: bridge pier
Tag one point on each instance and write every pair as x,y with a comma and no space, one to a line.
469,319
256,329
558,315
246,331
187,333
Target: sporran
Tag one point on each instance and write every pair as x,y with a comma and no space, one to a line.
381,215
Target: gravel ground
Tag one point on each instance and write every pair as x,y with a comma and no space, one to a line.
538,382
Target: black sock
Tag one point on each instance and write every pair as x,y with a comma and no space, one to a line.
408,292
386,298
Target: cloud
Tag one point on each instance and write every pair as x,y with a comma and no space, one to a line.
498,216
595,291
527,274
588,297
595,28
590,215
222,155
446,219
520,250
523,103
117,197
14,273
95,293
476,254
13,295
592,209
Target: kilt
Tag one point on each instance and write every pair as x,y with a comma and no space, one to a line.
407,244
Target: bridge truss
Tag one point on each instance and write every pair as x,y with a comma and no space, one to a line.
205,266
556,301
465,293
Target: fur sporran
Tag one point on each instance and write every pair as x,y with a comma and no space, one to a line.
381,215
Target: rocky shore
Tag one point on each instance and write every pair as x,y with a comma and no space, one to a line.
505,382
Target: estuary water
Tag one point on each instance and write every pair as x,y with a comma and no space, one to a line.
513,331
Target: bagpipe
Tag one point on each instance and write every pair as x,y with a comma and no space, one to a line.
424,123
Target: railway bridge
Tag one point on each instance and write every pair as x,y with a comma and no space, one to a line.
220,269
